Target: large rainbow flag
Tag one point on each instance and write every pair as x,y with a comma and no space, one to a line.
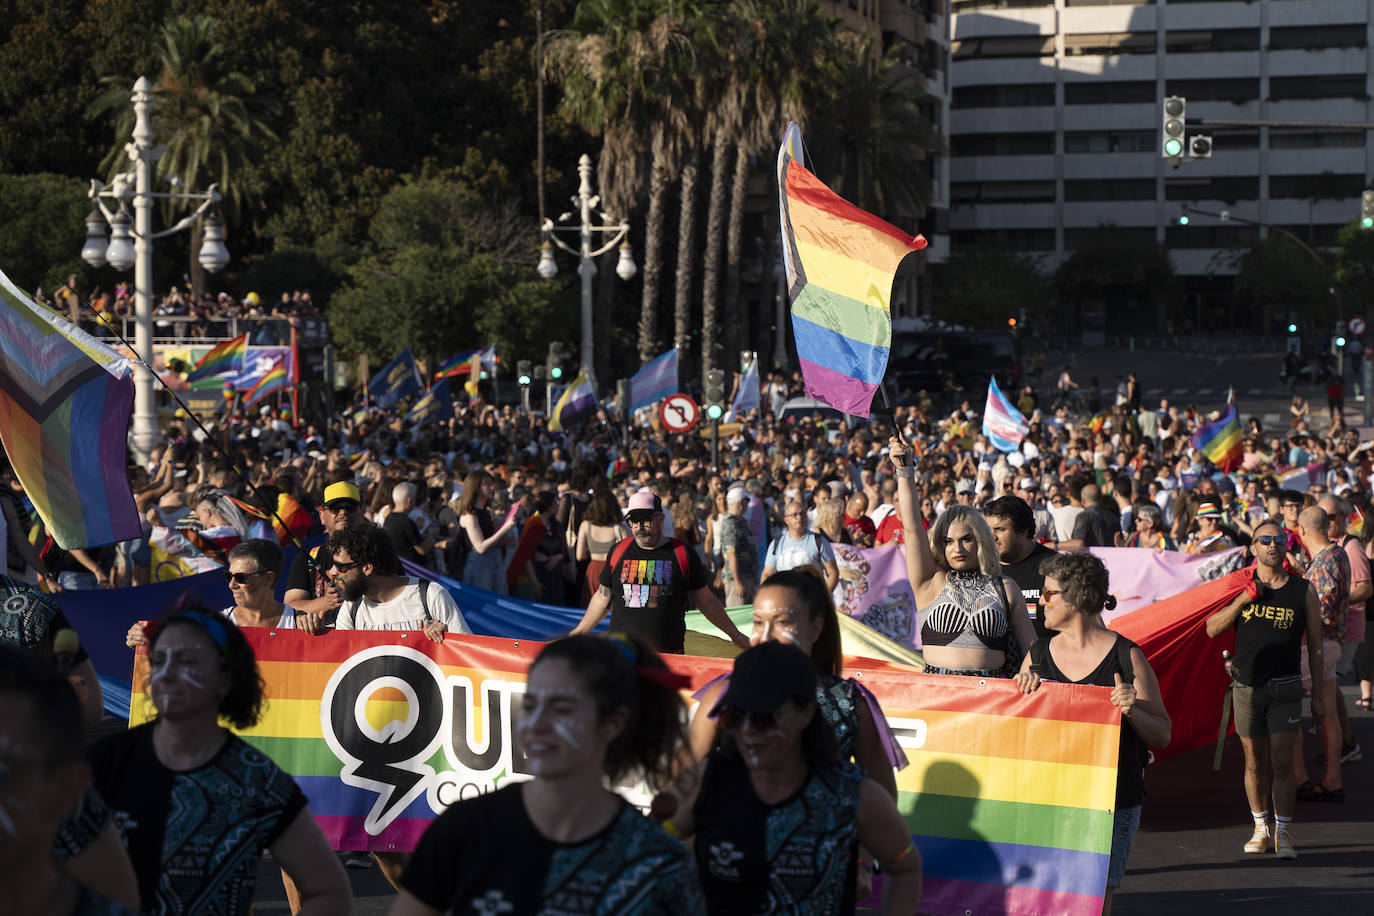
65,401
840,263
224,358
457,365
1221,440
1008,797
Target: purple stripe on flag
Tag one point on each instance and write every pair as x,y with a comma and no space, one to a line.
850,395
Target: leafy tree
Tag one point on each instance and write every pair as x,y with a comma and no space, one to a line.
40,242
1275,275
1116,271
446,271
983,285
1355,268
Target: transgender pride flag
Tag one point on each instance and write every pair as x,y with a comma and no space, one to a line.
656,381
1003,424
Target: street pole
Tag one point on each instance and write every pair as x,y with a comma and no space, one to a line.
586,268
715,445
145,416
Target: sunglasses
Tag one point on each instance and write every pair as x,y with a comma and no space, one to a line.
733,719
1047,594
240,578
349,506
1271,540
345,567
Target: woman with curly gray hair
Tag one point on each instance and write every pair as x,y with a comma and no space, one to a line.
1084,651
972,619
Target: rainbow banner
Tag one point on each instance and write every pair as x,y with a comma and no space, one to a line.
1009,797
276,379
224,358
65,401
840,263
1221,440
457,365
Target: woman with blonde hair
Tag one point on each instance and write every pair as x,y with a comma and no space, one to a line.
973,621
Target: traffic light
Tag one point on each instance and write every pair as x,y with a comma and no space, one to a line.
557,364
1292,327
1367,210
1183,218
715,394
524,372
1340,340
1200,147
1174,127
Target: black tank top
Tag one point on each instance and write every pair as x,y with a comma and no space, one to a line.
1133,753
1269,633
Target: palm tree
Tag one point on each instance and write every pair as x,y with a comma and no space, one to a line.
211,119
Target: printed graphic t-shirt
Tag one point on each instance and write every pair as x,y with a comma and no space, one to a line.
194,837
485,856
649,594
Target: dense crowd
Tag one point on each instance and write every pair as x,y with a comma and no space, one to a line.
491,496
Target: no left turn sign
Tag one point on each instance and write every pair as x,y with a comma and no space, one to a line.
679,413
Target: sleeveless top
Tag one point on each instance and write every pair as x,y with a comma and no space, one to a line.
838,700
967,614
795,857
596,546
1133,752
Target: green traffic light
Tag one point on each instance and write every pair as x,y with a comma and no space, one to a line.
524,380
1173,147
1292,329
556,373
1367,222
1183,220
1340,341
714,411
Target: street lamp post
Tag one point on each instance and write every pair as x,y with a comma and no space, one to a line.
625,268
134,248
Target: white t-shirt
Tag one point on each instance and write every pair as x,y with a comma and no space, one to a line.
287,622
404,612
1064,518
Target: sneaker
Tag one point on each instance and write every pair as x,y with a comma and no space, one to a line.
1261,841
1283,844
1350,753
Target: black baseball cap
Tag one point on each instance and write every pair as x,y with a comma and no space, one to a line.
768,675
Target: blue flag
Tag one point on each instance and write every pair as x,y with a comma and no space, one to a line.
1003,424
655,381
747,397
400,377
437,404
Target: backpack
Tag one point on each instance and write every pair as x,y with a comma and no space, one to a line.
776,547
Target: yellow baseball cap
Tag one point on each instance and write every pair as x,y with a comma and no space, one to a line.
343,491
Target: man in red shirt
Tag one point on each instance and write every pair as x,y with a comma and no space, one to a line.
857,522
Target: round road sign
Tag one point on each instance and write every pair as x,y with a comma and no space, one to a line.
1356,325
679,413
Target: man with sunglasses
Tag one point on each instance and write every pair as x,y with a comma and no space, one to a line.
648,582
308,589
1270,617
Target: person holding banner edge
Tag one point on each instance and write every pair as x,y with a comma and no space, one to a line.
595,710
972,618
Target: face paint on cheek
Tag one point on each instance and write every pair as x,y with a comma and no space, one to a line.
565,731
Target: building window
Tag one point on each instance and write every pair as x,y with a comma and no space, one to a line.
1109,189
1110,93
1323,186
1004,46
969,6
1317,87
1229,190
1110,43
1108,2
1243,89
1002,192
1003,96
1212,40
1040,144
1110,141
1311,139
1198,235
1073,237
1015,239
1317,37
1230,139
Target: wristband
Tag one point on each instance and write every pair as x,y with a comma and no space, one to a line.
907,473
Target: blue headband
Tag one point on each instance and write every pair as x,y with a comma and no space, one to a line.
213,627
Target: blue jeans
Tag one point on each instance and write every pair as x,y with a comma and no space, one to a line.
1124,826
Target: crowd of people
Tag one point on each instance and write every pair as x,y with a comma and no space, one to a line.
640,525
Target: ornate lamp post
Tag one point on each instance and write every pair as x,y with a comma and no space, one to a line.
134,246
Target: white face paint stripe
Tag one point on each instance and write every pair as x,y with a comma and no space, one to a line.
564,731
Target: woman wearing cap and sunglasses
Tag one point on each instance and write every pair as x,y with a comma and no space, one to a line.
254,567
972,619
595,709
776,818
197,805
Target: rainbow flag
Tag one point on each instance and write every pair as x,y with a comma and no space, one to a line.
224,358
65,401
457,365
840,263
1221,440
275,379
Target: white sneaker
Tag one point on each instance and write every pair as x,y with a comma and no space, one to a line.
1261,841
1283,844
